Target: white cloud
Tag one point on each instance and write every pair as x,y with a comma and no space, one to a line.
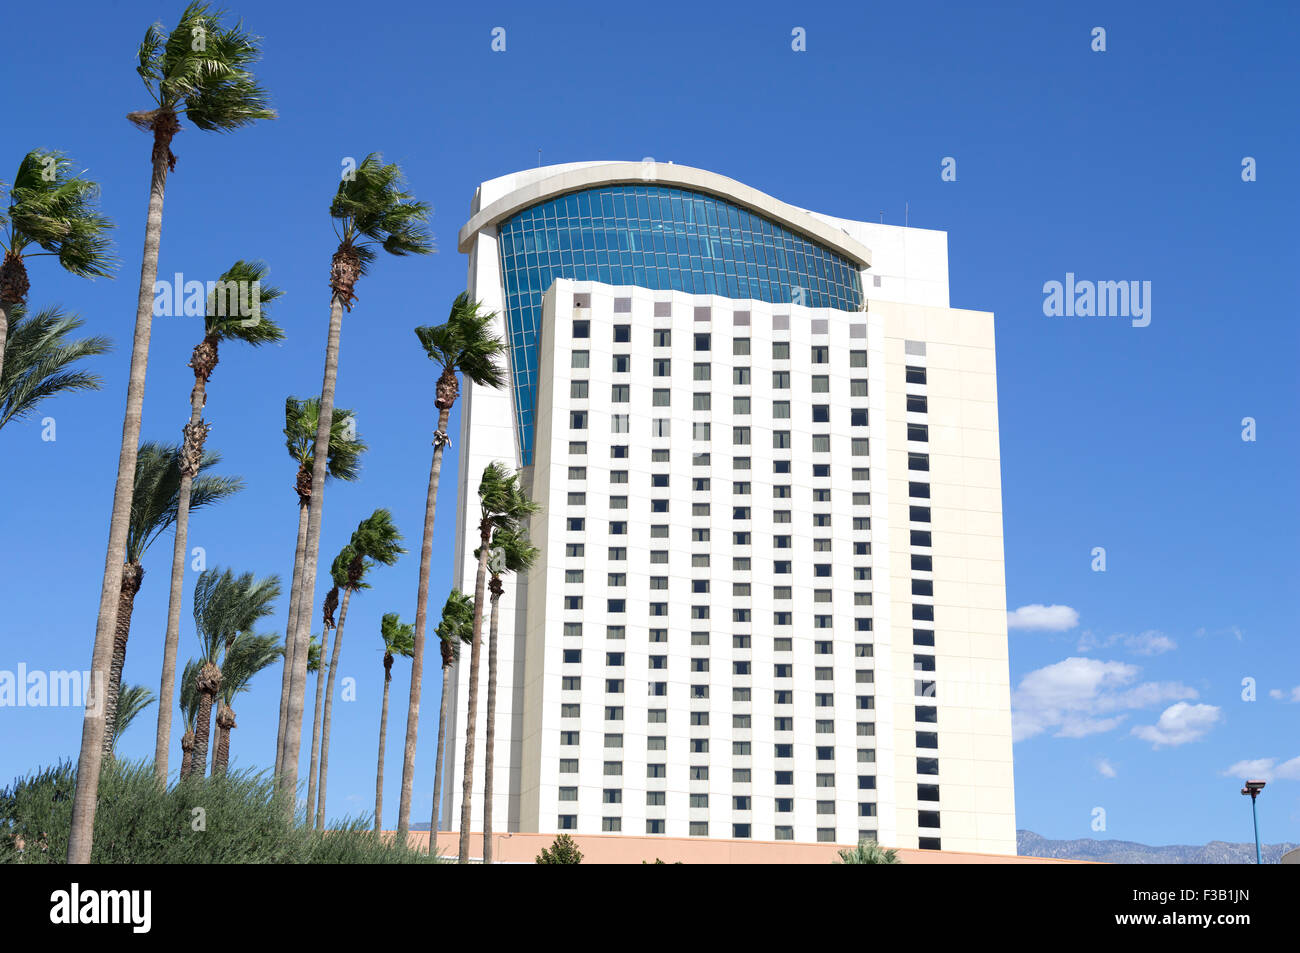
1043,618
1266,769
1077,697
1292,696
1105,768
1179,724
1150,642
1233,630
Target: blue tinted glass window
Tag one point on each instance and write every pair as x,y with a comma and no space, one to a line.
654,238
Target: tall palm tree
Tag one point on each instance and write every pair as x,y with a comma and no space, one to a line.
339,573
499,501
456,627
398,640
343,462
463,345
189,714
370,208
199,70
154,502
245,658
40,357
512,552
224,320
130,702
376,540
225,606
51,209
314,667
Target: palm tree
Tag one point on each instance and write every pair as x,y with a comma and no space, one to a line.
398,640
225,605
463,345
221,322
189,714
376,540
154,502
500,500
868,852
130,702
40,357
55,211
199,70
343,462
369,208
339,573
245,658
313,666
456,627
512,552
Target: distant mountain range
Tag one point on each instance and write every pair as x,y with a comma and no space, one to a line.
1030,844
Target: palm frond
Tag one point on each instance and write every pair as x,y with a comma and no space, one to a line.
234,313
466,344
157,492
248,655
398,636
190,693
201,68
372,204
39,355
226,605
457,623
51,207
131,700
345,446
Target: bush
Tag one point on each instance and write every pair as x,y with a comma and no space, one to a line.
234,819
868,852
562,851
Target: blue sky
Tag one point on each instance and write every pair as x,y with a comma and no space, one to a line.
1116,165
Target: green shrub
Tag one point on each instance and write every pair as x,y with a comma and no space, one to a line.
233,819
868,852
562,851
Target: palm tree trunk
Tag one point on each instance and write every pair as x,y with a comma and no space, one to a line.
489,740
5,308
307,584
132,577
225,722
329,713
313,771
216,745
383,739
187,754
421,618
202,729
437,764
191,456
471,717
290,644
81,834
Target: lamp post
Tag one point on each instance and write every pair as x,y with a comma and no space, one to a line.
1253,788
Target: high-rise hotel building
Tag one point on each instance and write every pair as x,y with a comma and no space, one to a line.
770,600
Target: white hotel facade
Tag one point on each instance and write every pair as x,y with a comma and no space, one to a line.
770,601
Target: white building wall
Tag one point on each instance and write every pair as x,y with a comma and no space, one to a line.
971,677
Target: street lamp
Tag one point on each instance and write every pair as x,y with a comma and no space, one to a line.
1253,788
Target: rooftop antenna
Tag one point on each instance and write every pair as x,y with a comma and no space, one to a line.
539,158
905,214
882,218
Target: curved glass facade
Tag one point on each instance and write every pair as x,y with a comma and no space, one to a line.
658,238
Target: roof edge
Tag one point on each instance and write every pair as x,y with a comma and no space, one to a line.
649,172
